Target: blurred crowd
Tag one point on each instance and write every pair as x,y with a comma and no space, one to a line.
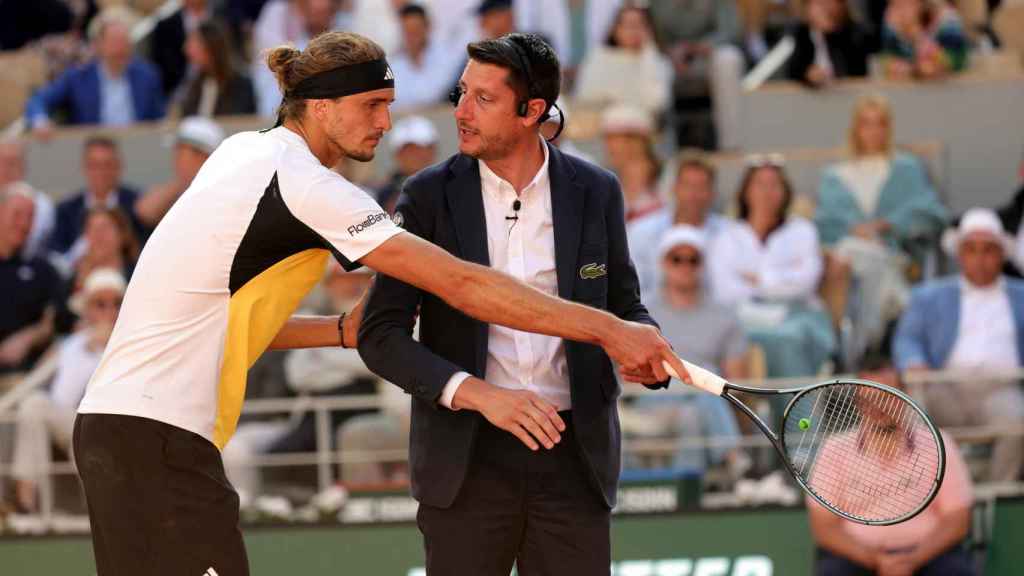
873,274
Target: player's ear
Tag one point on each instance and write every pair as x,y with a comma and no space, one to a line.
320,108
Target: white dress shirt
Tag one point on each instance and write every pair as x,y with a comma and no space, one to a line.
525,249
986,337
787,265
426,84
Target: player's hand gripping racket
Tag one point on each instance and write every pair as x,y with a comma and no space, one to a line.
865,451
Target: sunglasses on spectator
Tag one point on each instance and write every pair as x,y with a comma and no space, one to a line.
677,260
772,160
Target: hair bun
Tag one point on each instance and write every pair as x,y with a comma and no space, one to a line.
281,60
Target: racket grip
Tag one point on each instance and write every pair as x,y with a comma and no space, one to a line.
704,379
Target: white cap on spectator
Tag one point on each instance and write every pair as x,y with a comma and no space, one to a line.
623,118
200,133
413,130
98,280
977,222
681,235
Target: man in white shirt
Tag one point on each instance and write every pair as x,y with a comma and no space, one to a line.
217,285
425,66
973,323
491,494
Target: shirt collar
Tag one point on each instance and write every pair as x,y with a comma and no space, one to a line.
91,201
491,180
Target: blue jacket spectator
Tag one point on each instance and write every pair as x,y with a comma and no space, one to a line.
116,88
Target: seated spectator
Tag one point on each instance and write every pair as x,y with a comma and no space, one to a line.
215,87
196,139
424,64
694,195
44,219
168,42
973,322
924,39
286,22
829,45
101,166
114,89
496,18
628,134
877,216
30,286
46,418
683,310
700,37
109,244
413,142
931,543
308,372
628,68
768,264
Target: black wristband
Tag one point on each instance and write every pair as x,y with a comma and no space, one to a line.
341,329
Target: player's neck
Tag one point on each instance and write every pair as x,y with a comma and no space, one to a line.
521,164
318,143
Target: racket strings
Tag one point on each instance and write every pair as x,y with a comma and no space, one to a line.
862,450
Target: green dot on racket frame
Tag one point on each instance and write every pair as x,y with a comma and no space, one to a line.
804,423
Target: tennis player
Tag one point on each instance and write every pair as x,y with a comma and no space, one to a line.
216,285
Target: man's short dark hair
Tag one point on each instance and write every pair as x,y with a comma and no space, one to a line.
534,70
413,9
101,141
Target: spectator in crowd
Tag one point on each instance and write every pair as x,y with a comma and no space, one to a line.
196,139
683,310
413,143
973,322
44,219
628,134
214,87
924,39
496,18
114,89
29,285
573,27
829,45
109,243
694,200
101,166
168,44
877,215
308,372
424,66
700,36
286,22
931,543
628,68
45,418
768,264
24,21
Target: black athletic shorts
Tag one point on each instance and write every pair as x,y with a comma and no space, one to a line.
159,502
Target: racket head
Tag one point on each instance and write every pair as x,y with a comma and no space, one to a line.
864,451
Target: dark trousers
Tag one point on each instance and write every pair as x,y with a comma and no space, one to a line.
159,502
953,562
538,510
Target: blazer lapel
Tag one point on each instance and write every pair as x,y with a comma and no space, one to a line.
567,198
466,203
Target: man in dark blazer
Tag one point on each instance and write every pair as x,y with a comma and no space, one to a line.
114,88
515,444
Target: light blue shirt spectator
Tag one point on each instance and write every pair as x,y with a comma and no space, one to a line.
116,106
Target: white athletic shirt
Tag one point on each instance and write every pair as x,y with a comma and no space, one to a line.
221,274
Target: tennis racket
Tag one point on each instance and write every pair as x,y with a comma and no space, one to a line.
865,451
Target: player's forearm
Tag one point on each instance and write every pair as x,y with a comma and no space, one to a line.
310,332
497,298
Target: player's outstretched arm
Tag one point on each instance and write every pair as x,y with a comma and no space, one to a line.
497,298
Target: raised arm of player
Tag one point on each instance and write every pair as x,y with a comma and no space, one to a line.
497,298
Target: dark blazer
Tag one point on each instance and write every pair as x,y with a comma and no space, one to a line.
236,99
78,89
443,204
848,49
168,50
71,218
